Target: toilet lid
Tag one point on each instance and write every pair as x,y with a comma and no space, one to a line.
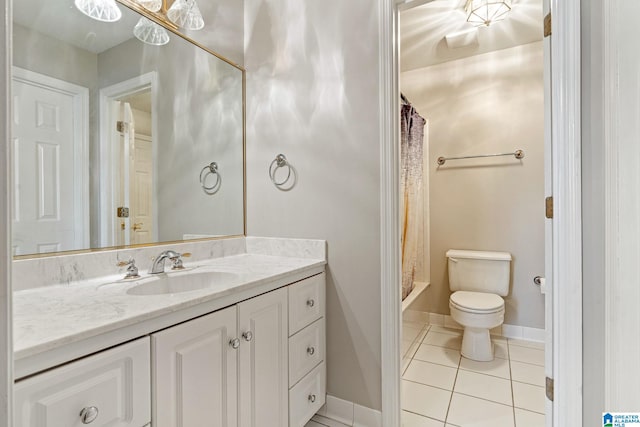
477,301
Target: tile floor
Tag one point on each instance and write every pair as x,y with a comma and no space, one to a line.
442,389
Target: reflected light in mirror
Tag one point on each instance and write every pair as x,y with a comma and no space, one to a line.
100,10
151,5
186,14
150,33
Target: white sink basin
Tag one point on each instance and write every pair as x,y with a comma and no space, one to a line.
178,283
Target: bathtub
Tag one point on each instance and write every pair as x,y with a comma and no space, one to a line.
409,312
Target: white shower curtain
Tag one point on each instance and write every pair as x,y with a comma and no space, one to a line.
411,151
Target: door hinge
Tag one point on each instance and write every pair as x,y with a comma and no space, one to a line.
547,25
548,203
549,388
120,126
123,212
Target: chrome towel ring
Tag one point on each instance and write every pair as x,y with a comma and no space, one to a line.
280,162
210,169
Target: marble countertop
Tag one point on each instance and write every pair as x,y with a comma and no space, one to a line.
52,317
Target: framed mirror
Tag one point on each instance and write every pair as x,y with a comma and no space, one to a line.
124,133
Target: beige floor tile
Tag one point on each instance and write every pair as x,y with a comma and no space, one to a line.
468,411
529,419
529,344
497,367
445,330
414,420
440,355
527,373
500,349
526,355
443,340
410,333
484,386
529,397
424,400
431,374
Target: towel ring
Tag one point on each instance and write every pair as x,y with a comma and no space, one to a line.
210,169
280,161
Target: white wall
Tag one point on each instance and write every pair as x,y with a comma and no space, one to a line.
199,121
489,103
312,94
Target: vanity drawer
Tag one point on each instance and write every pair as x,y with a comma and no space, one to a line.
307,397
306,302
306,350
111,387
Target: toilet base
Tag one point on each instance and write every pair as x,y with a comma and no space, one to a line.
477,345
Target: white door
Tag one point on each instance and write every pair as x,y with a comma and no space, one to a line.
141,190
49,206
194,373
264,355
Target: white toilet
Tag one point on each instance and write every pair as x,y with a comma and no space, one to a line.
478,280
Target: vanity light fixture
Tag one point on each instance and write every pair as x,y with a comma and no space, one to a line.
100,10
151,33
183,13
486,12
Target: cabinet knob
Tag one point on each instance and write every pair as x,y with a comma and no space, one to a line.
234,343
248,336
311,302
312,398
311,351
88,415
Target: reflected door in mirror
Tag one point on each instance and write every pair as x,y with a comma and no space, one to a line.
49,169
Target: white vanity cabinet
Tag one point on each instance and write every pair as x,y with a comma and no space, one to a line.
111,388
228,368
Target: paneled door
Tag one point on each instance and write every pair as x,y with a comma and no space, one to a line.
141,192
194,372
264,355
50,164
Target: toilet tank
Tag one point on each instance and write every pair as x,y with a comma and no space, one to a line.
479,271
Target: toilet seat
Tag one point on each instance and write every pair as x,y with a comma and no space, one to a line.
476,302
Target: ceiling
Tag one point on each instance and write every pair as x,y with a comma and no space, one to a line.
61,20
423,29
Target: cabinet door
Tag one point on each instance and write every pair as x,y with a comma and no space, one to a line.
195,373
110,388
263,360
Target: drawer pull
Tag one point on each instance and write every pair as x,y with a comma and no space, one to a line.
311,302
311,351
88,415
248,336
234,343
312,398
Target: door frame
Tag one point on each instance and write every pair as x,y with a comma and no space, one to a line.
567,223
109,154
80,97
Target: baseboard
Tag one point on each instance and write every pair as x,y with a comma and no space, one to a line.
348,413
505,330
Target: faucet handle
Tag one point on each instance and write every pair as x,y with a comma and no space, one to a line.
177,261
132,270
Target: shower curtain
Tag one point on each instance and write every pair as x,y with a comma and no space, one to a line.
411,144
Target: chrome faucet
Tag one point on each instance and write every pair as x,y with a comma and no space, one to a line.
158,262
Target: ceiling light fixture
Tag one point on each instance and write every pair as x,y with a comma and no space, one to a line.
183,13
486,12
100,10
151,33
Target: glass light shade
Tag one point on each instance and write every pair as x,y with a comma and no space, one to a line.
186,14
152,5
487,12
149,32
101,10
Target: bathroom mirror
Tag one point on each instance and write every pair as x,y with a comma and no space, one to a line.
117,141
